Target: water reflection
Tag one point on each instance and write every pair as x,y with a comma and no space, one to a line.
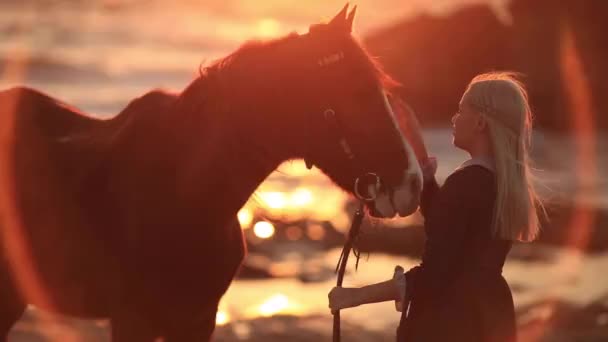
263,229
273,305
222,317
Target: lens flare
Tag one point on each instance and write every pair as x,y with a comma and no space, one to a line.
267,28
578,93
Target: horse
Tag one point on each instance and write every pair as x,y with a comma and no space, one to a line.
133,218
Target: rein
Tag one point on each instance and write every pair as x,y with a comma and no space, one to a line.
341,267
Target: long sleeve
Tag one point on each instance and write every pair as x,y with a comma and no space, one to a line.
430,189
448,212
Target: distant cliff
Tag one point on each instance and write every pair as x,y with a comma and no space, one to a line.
435,57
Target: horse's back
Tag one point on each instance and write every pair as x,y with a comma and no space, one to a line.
56,158
49,115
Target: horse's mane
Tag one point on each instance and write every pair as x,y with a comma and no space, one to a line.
209,76
256,52
203,97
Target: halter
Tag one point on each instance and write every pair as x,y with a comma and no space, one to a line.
360,190
360,186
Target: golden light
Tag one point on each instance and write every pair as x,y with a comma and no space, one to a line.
293,233
221,318
296,168
301,197
274,200
274,305
315,231
267,28
263,229
245,217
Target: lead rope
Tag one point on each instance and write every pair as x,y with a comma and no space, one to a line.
341,267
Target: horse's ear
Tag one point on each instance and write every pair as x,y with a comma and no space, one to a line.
350,18
342,22
339,20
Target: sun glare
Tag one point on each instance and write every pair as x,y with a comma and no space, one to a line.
263,229
301,198
274,199
222,318
274,305
268,28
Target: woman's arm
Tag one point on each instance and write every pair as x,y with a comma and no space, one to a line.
348,297
430,188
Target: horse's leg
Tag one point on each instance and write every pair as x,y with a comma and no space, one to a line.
128,326
192,329
11,305
8,317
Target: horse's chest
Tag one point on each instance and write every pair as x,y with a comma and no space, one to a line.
186,267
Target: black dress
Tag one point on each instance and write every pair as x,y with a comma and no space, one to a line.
458,293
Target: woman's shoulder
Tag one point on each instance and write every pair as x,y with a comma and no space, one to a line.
472,180
472,173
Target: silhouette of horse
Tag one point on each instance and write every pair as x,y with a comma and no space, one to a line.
133,218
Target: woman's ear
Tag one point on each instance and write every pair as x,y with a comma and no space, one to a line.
482,123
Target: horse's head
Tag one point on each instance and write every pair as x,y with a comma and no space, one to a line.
353,133
340,117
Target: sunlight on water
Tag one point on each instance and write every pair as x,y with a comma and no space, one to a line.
296,168
295,193
278,303
301,197
274,200
315,231
263,229
297,199
293,233
222,318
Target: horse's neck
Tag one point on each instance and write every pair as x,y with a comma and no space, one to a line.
225,167
203,171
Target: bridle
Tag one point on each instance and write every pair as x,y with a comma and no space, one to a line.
363,195
365,179
361,188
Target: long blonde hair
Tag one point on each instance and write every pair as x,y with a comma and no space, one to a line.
503,100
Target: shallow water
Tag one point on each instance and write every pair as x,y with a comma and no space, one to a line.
555,275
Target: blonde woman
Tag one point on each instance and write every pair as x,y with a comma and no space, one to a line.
458,293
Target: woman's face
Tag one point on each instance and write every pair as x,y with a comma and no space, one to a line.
466,127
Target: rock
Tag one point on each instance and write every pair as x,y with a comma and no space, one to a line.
559,46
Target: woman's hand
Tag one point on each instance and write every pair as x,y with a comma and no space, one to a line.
342,298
